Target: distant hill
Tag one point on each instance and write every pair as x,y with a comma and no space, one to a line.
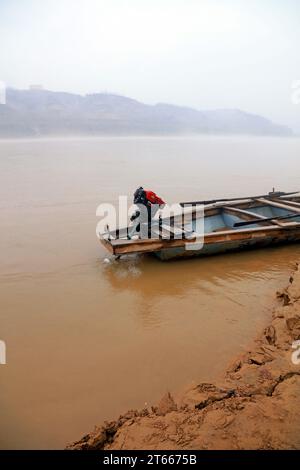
36,112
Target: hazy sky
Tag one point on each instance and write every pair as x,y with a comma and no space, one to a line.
201,53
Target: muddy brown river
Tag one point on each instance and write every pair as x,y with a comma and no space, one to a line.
88,340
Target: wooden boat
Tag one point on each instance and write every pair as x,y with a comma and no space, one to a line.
229,225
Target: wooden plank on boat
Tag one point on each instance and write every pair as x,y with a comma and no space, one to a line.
248,215
243,212
108,245
170,231
148,245
144,246
287,201
279,205
224,200
214,208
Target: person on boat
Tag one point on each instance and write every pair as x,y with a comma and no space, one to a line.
149,203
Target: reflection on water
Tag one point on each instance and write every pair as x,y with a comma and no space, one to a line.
139,273
87,340
237,280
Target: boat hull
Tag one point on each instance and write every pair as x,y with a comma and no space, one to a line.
227,247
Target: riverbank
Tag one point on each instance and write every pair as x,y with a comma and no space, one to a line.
254,405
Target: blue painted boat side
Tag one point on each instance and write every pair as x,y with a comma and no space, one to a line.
225,247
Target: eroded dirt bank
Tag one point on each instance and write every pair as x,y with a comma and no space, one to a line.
254,405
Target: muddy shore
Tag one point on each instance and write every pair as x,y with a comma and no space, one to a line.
255,404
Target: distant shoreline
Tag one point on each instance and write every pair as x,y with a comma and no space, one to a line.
30,113
143,136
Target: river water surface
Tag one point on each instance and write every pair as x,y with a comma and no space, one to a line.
87,340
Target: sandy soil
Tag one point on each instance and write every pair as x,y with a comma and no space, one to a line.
254,405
